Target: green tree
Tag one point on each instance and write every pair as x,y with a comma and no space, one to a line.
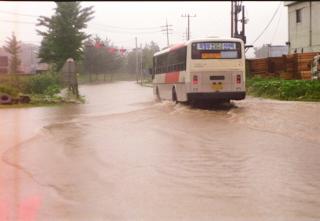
147,56
63,38
148,53
13,48
101,57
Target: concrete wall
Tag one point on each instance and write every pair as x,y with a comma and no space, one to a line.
300,36
316,25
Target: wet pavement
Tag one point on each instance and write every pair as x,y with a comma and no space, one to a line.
123,156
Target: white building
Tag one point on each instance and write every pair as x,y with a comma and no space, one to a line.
304,26
268,50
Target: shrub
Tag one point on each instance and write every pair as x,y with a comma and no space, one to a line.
7,89
52,90
47,83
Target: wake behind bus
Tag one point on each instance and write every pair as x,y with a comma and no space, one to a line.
208,69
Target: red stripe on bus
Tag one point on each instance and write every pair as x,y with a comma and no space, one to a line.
172,77
176,47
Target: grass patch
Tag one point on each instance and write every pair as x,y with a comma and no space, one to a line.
291,90
43,89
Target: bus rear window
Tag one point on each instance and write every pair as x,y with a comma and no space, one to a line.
216,50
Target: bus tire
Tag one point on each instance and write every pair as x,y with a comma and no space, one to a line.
158,94
190,101
174,95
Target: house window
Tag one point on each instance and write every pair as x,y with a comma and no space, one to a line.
298,16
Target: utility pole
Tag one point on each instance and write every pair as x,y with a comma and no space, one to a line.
188,16
141,66
166,29
232,19
136,53
185,35
236,8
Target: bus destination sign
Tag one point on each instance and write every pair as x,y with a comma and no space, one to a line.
216,46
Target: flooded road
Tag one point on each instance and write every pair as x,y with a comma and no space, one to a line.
123,156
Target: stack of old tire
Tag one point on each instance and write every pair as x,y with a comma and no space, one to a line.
7,99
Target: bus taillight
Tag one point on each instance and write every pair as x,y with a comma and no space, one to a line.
238,79
195,79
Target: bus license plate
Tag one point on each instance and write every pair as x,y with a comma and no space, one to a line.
217,86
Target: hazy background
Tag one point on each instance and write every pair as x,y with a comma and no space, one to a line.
121,22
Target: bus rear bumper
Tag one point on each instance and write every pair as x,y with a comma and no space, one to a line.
217,96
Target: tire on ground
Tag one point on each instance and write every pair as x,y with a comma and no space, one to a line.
5,99
24,99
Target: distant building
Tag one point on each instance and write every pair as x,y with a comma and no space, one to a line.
268,50
4,64
304,26
42,67
30,63
29,58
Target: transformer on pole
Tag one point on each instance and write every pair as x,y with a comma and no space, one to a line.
236,8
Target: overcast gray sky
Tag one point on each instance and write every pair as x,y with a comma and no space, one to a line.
121,22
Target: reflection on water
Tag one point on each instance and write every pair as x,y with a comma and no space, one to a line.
215,106
16,160
126,157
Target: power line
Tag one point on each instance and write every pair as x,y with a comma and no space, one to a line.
125,41
275,31
121,32
98,24
23,22
14,13
118,27
267,24
109,26
125,32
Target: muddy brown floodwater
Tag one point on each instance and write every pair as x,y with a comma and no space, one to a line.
123,156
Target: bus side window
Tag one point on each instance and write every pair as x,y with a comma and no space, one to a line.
182,57
177,59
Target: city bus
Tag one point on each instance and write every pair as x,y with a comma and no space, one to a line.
209,69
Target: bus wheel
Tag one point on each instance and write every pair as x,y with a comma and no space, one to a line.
192,102
174,95
158,94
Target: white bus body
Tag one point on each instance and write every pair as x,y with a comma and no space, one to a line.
209,69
